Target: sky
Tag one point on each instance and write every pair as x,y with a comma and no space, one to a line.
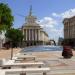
49,13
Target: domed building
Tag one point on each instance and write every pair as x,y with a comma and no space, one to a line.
33,32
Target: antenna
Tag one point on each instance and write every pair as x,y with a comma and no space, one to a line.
30,11
30,2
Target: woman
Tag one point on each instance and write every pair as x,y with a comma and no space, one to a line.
67,51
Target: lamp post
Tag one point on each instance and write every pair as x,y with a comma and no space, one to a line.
11,50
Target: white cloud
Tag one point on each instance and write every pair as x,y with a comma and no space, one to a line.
54,33
59,18
52,27
55,15
58,32
47,22
66,14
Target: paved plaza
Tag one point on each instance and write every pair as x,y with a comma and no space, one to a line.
58,65
52,59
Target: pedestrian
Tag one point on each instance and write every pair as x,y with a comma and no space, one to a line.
67,51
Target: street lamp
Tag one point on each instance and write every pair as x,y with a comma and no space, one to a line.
11,49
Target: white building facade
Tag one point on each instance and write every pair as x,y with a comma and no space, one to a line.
33,33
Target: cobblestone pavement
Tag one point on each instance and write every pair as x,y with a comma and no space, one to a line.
58,65
54,60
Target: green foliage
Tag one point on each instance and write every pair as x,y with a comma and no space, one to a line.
14,35
6,18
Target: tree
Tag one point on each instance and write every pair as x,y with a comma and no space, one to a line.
6,18
14,35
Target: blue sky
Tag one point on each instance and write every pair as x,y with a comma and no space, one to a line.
50,13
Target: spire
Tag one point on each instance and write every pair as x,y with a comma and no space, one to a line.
30,11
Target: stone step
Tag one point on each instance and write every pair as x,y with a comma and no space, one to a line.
62,72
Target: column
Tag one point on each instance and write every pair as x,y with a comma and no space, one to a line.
39,34
29,34
32,34
23,31
36,35
26,34
43,39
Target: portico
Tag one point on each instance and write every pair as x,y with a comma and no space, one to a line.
32,31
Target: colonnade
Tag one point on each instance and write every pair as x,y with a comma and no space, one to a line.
31,34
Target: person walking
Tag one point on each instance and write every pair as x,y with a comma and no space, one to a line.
67,51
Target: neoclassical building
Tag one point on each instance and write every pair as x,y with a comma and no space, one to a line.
69,28
32,31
